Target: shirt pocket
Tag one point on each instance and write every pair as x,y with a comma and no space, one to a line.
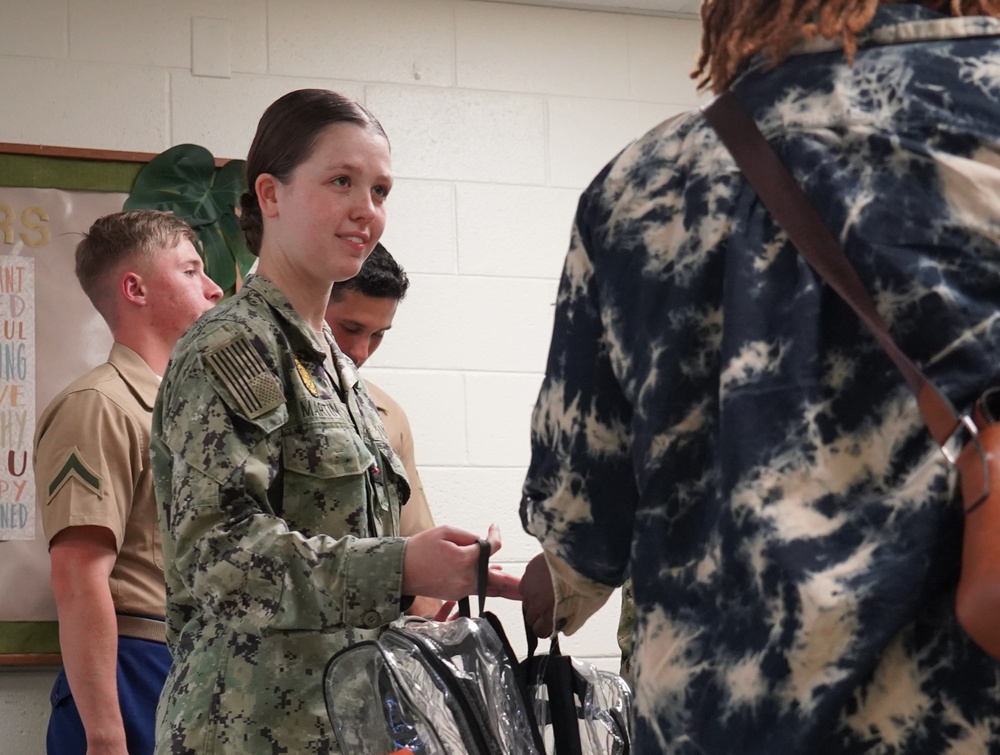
325,485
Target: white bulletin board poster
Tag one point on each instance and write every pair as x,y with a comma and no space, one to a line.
51,335
17,397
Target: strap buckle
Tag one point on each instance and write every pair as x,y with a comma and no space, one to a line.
965,425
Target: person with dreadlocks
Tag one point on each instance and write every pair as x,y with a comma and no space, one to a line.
717,424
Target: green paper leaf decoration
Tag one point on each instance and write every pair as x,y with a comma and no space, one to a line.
184,180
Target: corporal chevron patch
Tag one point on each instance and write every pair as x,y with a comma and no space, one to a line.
77,469
245,374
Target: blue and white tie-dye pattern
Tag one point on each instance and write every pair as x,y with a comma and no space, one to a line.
716,418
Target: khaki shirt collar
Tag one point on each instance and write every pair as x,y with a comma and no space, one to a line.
141,380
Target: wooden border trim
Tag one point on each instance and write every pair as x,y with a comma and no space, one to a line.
30,659
78,153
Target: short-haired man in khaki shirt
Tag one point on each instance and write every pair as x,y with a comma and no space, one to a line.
360,313
95,490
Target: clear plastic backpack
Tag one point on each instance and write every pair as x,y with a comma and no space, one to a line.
429,687
432,687
456,688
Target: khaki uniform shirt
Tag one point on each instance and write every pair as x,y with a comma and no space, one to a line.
416,514
280,504
92,467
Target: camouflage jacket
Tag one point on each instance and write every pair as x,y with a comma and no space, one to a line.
279,505
716,422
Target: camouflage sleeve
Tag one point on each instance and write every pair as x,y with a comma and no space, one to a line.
228,546
580,492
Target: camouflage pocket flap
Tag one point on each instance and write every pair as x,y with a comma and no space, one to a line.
325,449
395,471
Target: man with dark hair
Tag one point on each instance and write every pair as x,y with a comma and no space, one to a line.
362,308
717,424
143,274
360,313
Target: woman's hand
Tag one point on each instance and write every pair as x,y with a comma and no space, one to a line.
443,563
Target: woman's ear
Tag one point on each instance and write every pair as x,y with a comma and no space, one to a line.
267,187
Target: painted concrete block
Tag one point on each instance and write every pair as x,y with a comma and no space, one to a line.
499,407
36,29
211,50
517,231
377,40
462,135
24,709
221,114
473,323
577,154
420,230
154,33
513,48
662,53
124,108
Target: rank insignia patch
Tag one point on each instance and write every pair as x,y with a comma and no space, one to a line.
75,468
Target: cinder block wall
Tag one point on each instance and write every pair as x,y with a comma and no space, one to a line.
499,115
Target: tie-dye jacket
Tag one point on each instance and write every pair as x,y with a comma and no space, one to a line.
716,421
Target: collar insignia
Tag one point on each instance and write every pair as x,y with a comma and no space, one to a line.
306,377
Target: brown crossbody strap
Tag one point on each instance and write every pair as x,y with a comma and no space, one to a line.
793,211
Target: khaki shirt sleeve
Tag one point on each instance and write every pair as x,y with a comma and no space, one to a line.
577,598
88,457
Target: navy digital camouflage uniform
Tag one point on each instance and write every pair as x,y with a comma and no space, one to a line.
279,502
717,418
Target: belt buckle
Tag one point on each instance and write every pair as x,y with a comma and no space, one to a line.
965,423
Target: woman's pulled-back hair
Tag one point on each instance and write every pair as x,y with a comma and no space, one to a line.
733,31
286,136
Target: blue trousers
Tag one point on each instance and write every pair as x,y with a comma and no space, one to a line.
142,670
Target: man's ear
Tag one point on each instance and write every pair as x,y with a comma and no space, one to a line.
266,187
133,288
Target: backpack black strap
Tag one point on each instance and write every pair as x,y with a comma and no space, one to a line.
464,609
565,689
483,576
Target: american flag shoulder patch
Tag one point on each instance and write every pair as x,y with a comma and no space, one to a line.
242,370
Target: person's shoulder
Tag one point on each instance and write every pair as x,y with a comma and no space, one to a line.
242,317
241,311
665,155
98,383
680,137
99,395
225,366
387,406
96,378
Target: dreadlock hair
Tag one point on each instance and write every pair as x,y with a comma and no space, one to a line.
735,30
